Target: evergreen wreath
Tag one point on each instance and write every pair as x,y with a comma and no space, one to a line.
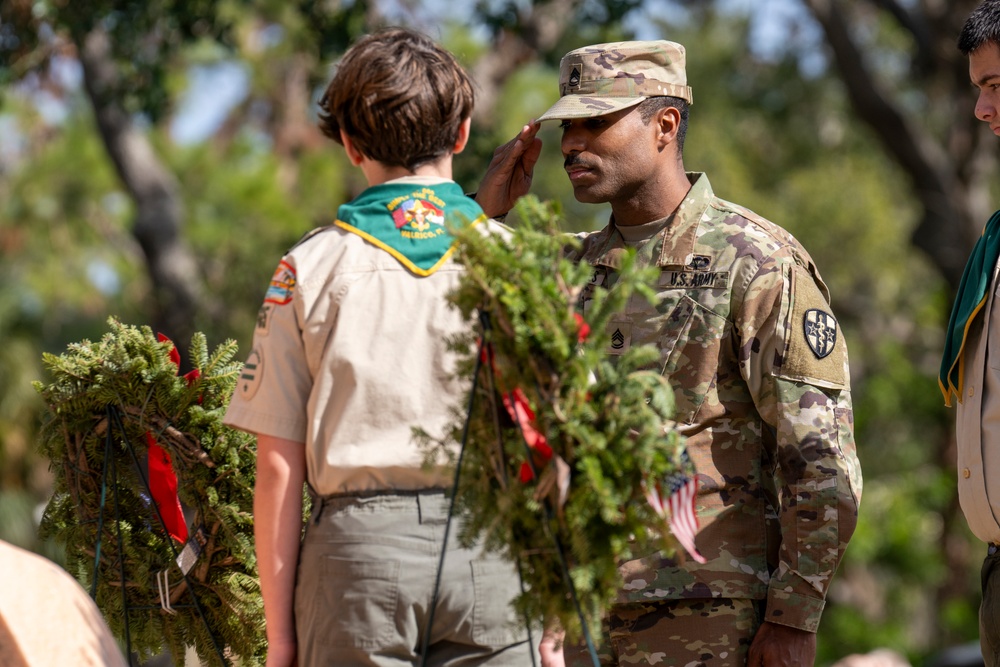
562,442
109,404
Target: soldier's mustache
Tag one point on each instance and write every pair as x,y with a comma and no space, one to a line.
574,160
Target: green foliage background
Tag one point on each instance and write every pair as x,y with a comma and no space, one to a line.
771,134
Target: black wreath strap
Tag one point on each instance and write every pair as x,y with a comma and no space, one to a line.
484,317
425,644
108,403
114,422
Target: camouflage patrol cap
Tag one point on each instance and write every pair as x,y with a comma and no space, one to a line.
604,78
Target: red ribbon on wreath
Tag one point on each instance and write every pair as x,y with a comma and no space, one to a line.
163,487
520,411
162,478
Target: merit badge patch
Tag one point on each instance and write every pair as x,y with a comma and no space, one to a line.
282,285
821,332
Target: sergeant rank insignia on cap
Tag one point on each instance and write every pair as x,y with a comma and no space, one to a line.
574,78
821,332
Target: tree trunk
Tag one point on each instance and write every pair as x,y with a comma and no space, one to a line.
948,169
173,269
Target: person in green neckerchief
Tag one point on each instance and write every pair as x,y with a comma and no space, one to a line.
969,368
351,352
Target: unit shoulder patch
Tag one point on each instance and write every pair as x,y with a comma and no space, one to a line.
820,330
815,348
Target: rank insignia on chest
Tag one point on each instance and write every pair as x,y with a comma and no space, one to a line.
621,337
820,330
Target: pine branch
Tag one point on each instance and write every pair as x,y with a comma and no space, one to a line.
134,374
607,420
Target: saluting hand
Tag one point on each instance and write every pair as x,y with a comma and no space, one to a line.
508,177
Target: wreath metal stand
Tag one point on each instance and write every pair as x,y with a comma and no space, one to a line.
484,319
114,421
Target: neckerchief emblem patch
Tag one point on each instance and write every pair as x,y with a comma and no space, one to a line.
418,215
820,329
410,222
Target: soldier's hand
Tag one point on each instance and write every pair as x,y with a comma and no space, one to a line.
782,646
508,177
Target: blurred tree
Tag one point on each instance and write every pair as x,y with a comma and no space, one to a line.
906,80
103,211
125,50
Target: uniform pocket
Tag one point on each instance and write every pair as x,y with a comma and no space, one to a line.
361,600
689,339
494,621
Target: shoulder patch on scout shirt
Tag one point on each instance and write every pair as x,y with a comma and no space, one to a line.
816,351
282,285
250,377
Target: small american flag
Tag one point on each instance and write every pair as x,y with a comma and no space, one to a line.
683,489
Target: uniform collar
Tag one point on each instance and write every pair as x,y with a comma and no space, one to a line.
675,242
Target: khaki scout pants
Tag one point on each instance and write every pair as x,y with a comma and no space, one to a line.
989,611
675,633
366,579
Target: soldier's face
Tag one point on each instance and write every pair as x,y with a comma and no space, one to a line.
609,158
984,71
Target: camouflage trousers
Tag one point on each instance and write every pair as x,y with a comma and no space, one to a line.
675,633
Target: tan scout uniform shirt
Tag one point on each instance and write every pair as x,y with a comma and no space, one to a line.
350,353
46,617
978,425
759,369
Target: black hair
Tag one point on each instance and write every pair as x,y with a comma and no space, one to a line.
982,26
649,107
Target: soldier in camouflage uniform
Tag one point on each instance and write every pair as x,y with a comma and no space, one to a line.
753,350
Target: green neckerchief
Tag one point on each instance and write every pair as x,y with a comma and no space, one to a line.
410,221
972,295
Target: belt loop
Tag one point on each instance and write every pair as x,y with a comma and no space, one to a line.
420,511
317,504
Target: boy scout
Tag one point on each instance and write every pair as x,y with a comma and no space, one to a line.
350,352
969,367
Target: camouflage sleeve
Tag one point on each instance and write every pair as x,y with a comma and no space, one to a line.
794,359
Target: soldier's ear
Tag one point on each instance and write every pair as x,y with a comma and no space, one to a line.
668,122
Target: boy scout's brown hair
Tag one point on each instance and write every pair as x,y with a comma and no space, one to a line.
400,98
